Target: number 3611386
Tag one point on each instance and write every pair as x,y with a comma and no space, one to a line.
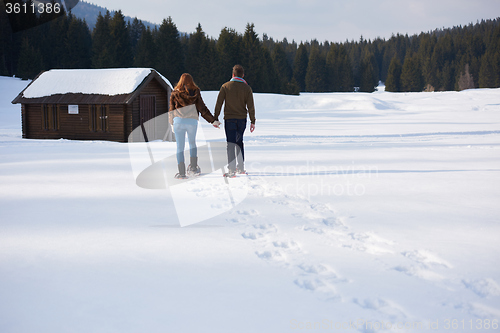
40,8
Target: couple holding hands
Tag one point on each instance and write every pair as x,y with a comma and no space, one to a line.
186,105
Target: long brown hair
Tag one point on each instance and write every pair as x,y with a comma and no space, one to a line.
186,82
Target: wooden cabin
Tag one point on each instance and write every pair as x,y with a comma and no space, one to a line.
95,104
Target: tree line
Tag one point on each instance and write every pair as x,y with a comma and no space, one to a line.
445,59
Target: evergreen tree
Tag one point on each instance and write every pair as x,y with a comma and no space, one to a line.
411,75
136,28
292,88
228,49
300,65
21,19
443,66
252,59
487,72
393,82
268,42
170,55
197,62
332,69
145,51
375,58
345,73
270,82
476,49
496,67
425,51
52,45
355,51
448,76
290,50
101,42
215,78
78,44
368,79
283,69
50,15
121,51
316,71
5,43
29,61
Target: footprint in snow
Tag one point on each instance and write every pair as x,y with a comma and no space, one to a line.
250,212
243,215
267,228
368,242
290,245
319,287
319,269
309,215
419,272
271,255
389,309
334,222
476,309
221,206
265,189
315,230
252,235
424,264
426,258
483,287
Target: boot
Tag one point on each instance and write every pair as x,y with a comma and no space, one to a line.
182,171
193,168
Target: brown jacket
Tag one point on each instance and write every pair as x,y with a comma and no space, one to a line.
238,98
179,99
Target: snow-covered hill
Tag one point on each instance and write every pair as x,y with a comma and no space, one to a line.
365,212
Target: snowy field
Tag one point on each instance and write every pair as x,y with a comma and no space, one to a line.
364,213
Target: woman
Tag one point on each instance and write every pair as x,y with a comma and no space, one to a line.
185,106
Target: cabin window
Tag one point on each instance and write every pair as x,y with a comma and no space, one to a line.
98,118
50,117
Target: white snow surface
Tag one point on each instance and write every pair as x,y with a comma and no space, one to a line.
365,213
110,81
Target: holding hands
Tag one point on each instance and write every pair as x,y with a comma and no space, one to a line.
217,123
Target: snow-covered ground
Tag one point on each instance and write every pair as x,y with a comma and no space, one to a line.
365,213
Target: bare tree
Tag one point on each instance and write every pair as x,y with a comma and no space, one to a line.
465,81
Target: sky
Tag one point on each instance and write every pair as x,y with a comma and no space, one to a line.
304,20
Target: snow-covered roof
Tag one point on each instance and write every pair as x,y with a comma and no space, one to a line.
111,81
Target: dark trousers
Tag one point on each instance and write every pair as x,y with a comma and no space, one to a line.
234,137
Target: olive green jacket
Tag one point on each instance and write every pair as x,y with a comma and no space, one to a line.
237,98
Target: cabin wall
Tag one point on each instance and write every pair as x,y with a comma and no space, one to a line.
72,126
24,121
133,118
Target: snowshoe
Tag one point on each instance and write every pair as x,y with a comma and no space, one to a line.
193,172
230,174
179,176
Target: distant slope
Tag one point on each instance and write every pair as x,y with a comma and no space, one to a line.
90,12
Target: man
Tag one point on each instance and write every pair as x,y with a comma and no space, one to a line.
237,97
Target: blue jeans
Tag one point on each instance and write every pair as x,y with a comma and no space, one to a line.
234,137
183,126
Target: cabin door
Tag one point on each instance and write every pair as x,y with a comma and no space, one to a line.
147,115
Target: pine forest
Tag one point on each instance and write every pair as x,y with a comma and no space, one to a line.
457,58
